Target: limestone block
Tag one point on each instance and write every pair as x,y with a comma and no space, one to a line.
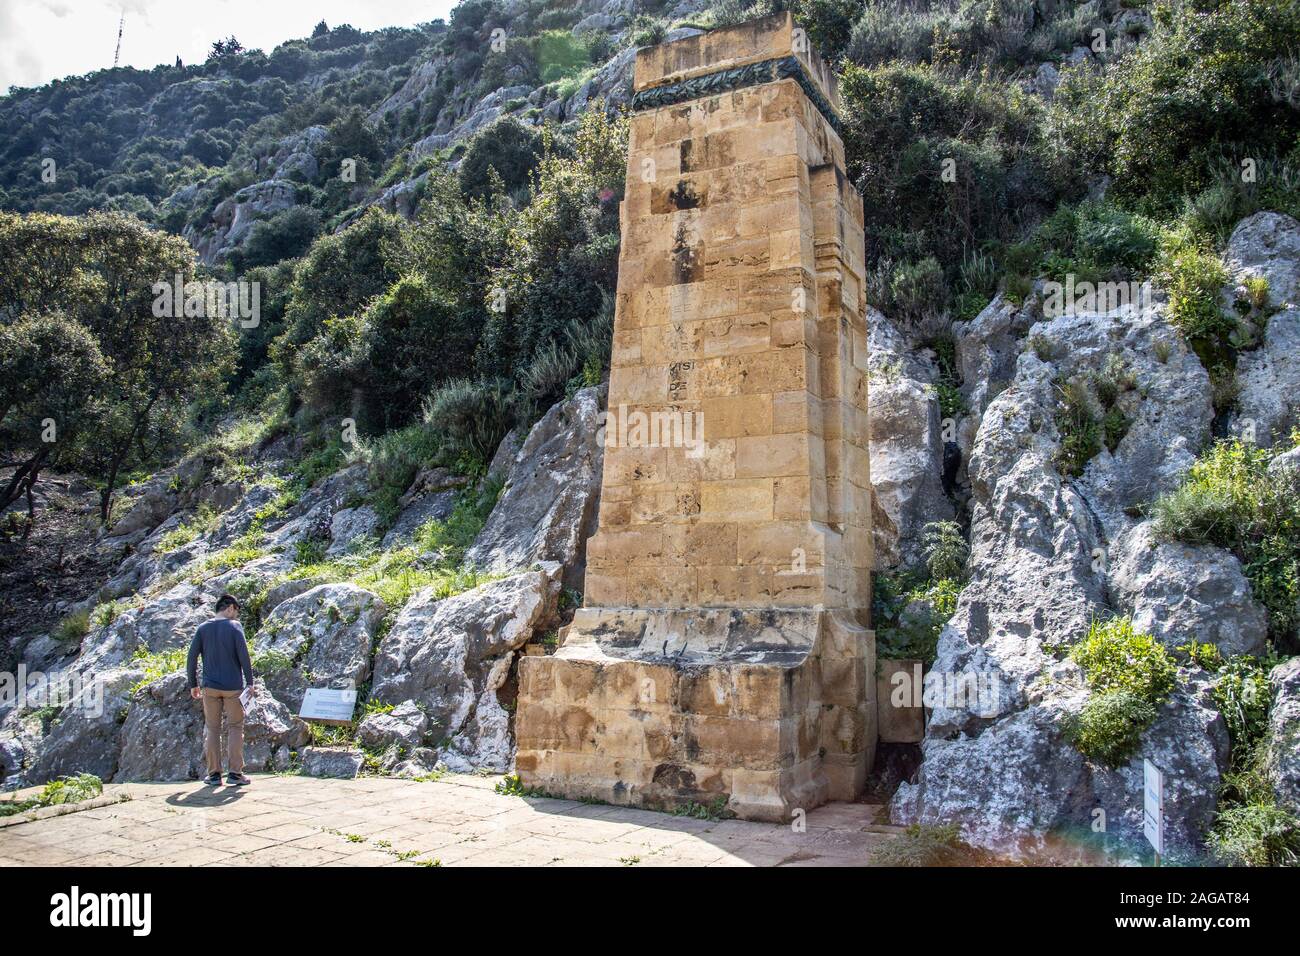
902,721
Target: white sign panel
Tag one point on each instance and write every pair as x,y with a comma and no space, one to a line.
328,705
1153,805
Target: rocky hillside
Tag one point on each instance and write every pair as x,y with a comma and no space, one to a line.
1058,545
1083,396
212,150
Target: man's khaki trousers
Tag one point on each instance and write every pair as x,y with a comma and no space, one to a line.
216,702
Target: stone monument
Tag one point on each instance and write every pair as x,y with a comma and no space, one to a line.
722,653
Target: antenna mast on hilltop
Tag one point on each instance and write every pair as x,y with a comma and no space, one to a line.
120,25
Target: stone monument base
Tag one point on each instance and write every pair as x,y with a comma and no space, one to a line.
770,710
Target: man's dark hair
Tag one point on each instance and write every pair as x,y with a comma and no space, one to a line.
225,601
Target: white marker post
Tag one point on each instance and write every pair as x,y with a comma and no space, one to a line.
1153,807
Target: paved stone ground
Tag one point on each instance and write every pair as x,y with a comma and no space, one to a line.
378,821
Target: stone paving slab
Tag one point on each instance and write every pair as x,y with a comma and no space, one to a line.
458,820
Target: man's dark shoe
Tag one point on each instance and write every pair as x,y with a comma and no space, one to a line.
213,780
237,780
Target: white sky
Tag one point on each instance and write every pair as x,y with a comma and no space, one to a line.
42,40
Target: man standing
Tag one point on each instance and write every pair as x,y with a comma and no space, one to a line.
226,669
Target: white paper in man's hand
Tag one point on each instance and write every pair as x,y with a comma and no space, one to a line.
247,696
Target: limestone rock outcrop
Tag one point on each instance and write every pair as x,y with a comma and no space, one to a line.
451,656
320,638
548,507
1179,593
1284,733
162,738
906,447
999,764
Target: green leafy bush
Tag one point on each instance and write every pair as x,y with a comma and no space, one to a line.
1166,114
471,418
1243,695
508,146
1097,241
1077,425
1114,656
1260,833
946,550
69,789
1109,727
1229,498
1130,674
453,536
909,613
1194,276
72,628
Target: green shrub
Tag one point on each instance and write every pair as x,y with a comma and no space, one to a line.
70,789
1243,695
287,234
1114,656
946,550
905,126
910,613
204,520
1097,241
408,341
1194,276
156,665
1230,499
1161,119
510,147
72,628
452,537
309,550
560,54
921,845
1130,674
471,418
1078,427
1256,834
395,458
917,290
1205,656
1109,727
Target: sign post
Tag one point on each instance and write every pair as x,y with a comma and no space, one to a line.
325,705
1153,807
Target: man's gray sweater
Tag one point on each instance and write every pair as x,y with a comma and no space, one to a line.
221,644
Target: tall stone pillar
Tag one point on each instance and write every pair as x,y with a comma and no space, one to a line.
722,652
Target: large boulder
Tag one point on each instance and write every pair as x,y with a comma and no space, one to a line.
165,623
431,497
351,528
452,656
162,738
987,348
906,446
146,512
1179,593
1284,733
320,638
85,737
998,763
1168,405
548,508
405,725
1267,244
1017,786
1268,380
334,762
